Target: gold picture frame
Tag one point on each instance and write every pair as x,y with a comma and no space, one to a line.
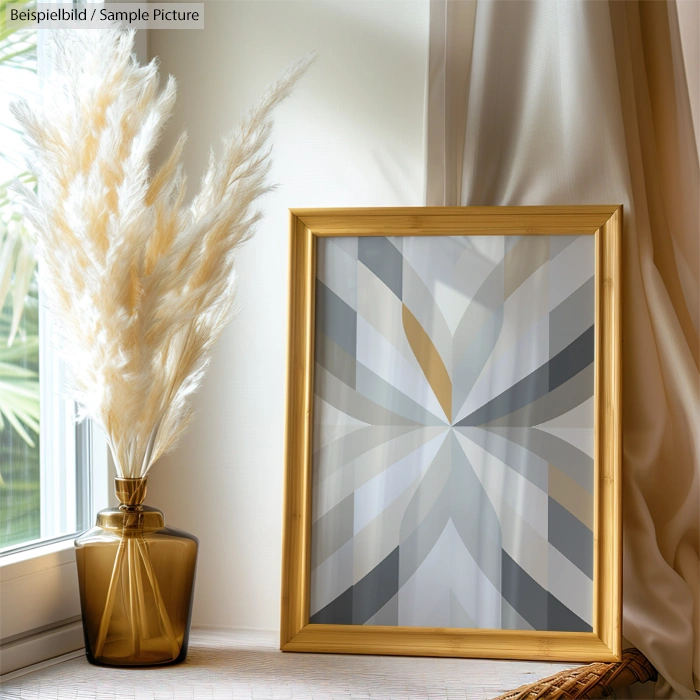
603,643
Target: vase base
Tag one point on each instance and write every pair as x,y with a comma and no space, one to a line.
135,663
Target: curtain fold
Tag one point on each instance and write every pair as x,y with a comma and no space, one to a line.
449,65
540,102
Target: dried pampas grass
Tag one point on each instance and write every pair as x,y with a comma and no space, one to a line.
141,285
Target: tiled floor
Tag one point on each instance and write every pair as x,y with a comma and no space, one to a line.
249,666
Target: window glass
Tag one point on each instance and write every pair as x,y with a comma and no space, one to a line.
20,495
44,472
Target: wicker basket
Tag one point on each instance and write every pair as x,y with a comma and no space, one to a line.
599,680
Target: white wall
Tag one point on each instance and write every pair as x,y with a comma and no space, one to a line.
351,135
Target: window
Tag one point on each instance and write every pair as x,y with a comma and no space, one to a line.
45,485
20,460
54,475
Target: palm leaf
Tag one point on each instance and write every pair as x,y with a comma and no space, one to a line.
19,385
17,43
14,418
20,350
24,271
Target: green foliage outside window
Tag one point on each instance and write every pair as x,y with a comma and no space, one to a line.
19,312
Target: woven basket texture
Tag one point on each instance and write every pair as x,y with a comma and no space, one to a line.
597,680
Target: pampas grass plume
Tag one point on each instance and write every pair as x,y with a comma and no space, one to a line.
140,284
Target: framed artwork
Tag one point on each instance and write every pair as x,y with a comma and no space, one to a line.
453,433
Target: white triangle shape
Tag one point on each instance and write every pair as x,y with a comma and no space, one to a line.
332,423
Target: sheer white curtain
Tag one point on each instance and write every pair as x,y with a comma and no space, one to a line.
578,102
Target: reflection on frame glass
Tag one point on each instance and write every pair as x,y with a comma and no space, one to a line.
453,434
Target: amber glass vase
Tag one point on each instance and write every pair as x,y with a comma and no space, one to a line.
136,581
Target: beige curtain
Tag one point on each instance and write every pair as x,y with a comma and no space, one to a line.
581,102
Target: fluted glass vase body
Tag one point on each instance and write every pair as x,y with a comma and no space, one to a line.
136,580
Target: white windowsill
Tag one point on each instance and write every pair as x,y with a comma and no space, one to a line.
29,561
40,614
58,642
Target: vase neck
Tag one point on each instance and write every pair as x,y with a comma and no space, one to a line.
130,492
131,516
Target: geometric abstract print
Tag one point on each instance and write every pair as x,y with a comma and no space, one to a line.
452,467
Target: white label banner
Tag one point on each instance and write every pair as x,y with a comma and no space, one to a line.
66,15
